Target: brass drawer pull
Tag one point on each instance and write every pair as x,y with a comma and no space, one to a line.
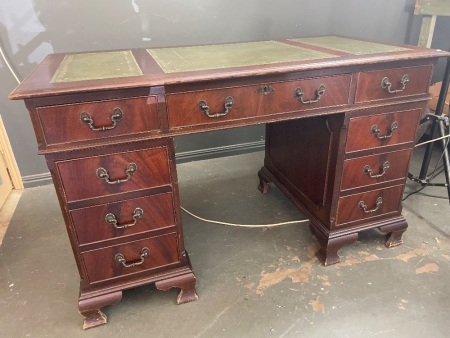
111,219
319,92
363,206
386,84
116,116
103,174
369,170
375,131
265,90
203,106
145,252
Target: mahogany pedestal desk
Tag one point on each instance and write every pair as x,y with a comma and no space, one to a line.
341,117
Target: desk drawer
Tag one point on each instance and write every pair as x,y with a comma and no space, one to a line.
368,205
374,85
245,102
368,170
64,123
105,263
381,130
124,218
133,170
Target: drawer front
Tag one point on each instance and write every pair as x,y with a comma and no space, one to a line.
256,100
121,219
368,170
105,263
381,130
369,204
84,121
133,170
374,85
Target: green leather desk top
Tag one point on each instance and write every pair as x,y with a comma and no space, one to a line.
351,46
92,66
104,65
186,59
64,73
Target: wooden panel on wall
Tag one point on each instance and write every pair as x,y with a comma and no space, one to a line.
432,7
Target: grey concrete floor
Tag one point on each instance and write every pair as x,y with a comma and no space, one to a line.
258,282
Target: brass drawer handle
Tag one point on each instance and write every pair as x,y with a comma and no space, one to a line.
369,170
203,106
103,174
319,92
111,219
386,84
265,90
145,252
363,206
375,131
116,116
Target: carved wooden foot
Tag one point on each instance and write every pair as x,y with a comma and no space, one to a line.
264,182
394,232
329,247
90,308
185,282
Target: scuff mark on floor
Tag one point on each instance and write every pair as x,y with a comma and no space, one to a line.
325,280
249,285
428,268
363,257
268,279
405,257
317,306
402,303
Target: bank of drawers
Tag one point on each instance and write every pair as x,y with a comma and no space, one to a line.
383,134
121,209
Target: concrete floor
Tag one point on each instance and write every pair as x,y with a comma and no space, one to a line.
259,282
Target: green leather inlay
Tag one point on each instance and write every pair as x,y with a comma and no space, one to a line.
355,47
96,66
186,59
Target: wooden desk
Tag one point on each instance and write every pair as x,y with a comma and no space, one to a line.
341,119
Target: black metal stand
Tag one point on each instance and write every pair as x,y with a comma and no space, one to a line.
440,123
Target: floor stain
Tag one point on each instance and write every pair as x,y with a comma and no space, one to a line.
317,306
325,280
249,285
428,268
363,257
402,303
405,257
301,275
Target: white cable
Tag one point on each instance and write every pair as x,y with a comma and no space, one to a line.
433,140
8,65
243,225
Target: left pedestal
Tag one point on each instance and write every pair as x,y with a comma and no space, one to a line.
121,209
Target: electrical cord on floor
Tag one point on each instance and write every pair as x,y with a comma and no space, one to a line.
244,225
433,140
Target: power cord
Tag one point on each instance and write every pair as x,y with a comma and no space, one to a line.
8,64
243,225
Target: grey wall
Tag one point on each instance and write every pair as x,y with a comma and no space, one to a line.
30,29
